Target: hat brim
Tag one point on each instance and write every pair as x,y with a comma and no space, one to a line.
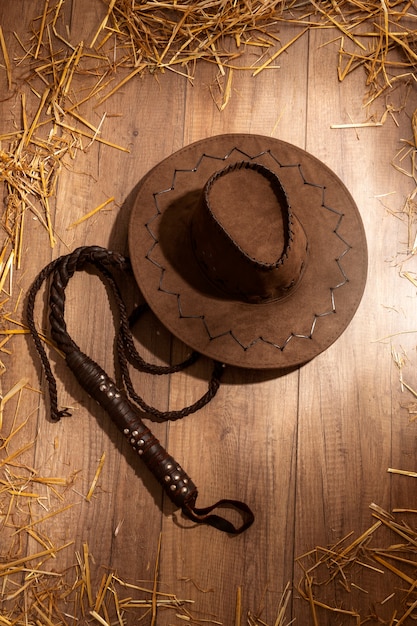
280,334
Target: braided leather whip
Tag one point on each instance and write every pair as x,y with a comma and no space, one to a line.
124,413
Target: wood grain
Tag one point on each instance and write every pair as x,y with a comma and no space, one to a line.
309,450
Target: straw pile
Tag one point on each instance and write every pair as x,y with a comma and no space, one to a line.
357,570
378,36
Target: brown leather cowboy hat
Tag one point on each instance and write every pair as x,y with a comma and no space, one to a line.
248,249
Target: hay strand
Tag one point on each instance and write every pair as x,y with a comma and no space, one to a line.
96,477
17,388
90,214
155,583
6,59
238,609
279,52
391,470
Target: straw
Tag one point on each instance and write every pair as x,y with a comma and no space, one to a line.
6,59
361,560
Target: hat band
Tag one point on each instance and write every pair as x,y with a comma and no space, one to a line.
238,272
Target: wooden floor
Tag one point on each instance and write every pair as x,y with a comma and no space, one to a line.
309,451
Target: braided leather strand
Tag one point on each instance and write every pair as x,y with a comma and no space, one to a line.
125,346
30,307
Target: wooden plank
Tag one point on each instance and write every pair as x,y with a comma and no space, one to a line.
242,444
346,422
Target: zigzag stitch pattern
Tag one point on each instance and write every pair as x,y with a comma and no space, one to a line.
316,316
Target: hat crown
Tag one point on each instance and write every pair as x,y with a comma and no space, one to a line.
245,237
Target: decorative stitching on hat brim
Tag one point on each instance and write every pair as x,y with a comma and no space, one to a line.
315,317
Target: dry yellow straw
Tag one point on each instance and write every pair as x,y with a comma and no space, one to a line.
94,137
103,23
35,120
123,82
46,203
6,271
337,24
238,612
98,617
45,517
31,557
402,472
87,574
96,477
359,540
6,59
356,125
280,51
282,609
155,582
228,90
12,392
91,213
42,29
106,582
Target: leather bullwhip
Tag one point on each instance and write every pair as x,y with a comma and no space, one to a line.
124,411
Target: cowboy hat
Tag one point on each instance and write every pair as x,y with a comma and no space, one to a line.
248,249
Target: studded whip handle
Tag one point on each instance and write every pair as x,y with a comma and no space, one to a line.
176,483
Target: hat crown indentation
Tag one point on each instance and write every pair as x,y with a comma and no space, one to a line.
245,236
252,210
